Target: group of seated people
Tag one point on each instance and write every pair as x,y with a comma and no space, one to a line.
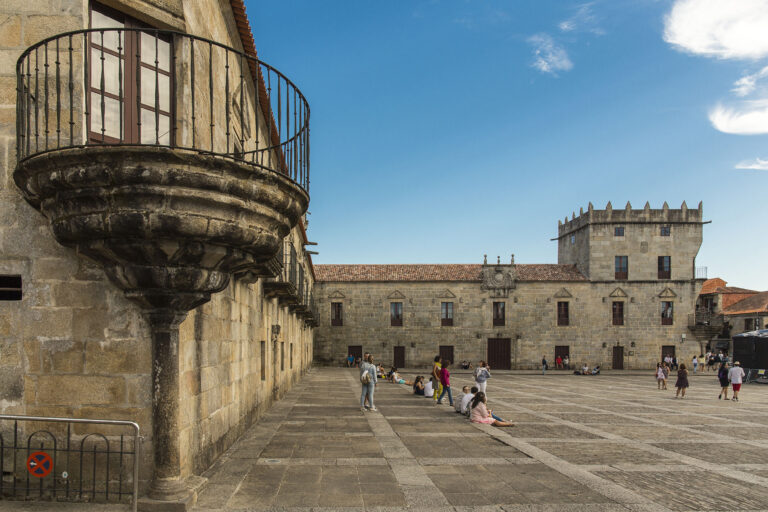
471,403
586,371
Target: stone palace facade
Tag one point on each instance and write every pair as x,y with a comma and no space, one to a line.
622,293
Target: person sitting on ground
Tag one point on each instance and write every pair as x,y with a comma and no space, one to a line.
465,365
467,399
585,369
350,361
380,371
480,413
429,390
395,378
596,370
459,399
418,386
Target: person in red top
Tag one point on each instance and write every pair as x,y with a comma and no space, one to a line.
445,380
559,363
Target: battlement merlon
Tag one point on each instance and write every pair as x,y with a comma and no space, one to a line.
627,215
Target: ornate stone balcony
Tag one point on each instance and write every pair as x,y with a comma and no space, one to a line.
172,161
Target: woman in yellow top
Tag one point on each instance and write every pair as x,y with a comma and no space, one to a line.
436,370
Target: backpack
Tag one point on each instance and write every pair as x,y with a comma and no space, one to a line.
482,375
365,377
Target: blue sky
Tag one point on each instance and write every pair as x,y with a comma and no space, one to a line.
445,130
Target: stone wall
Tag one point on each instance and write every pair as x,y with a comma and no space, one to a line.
531,321
75,346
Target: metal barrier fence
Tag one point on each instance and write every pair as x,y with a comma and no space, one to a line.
66,465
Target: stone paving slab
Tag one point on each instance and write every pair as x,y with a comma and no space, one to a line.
606,444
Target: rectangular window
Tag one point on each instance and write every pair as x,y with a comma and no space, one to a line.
573,239
618,231
10,287
618,313
336,314
665,267
562,313
396,314
282,357
129,81
291,356
664,230
621,264
446,313
499,315
749,324
666,313
263,360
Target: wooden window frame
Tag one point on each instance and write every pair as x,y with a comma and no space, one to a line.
446,314
563,314
667,318
499,320
751,324
621,275
395,314
617,313
130,58
337,314
618,231
665,267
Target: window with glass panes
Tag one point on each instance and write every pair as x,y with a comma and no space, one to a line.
446,313
499,318
665,267
621,270
396,314
336,314
667,314
618,313
562,313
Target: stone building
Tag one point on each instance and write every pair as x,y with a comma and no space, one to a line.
154,179
709,322
620,296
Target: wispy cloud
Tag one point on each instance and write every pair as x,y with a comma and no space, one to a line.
584,20
757,164
719,28
749,83
549,57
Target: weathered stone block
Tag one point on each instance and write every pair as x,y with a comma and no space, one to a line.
80,390
38,27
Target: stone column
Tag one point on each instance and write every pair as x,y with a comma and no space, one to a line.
166,484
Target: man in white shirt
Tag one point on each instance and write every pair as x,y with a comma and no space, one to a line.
457,403
428,391
466,400
736,376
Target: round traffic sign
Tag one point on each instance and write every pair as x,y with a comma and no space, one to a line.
39,464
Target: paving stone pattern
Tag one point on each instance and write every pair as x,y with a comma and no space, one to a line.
603,444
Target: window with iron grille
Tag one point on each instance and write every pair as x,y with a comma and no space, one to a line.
396,314
499,315
618,231
665,267
129,81
446,313
667,315
618,313
10,287
665,230
562,313
621,264
336,314
749,324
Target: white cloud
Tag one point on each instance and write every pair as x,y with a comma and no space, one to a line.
583,20
748,83
548,56
756,164
725,29
751,119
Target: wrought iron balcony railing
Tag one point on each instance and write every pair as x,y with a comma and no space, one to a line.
160,88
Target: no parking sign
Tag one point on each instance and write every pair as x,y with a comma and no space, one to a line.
39,464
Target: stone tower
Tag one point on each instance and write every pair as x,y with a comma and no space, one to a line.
597,239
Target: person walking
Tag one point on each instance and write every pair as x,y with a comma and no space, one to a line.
682,381
736,376
695,363
665,369
544,365
660,377
482,374
368,381
436,386
445,380
722,376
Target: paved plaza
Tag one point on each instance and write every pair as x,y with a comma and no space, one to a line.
607,443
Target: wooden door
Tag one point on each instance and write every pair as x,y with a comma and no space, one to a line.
618,358
446,353
667,350
399,360
500,353
356,351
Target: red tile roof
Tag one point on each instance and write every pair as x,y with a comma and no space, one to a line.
440,272
717,285
757,303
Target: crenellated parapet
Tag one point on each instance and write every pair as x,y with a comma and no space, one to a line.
628,215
